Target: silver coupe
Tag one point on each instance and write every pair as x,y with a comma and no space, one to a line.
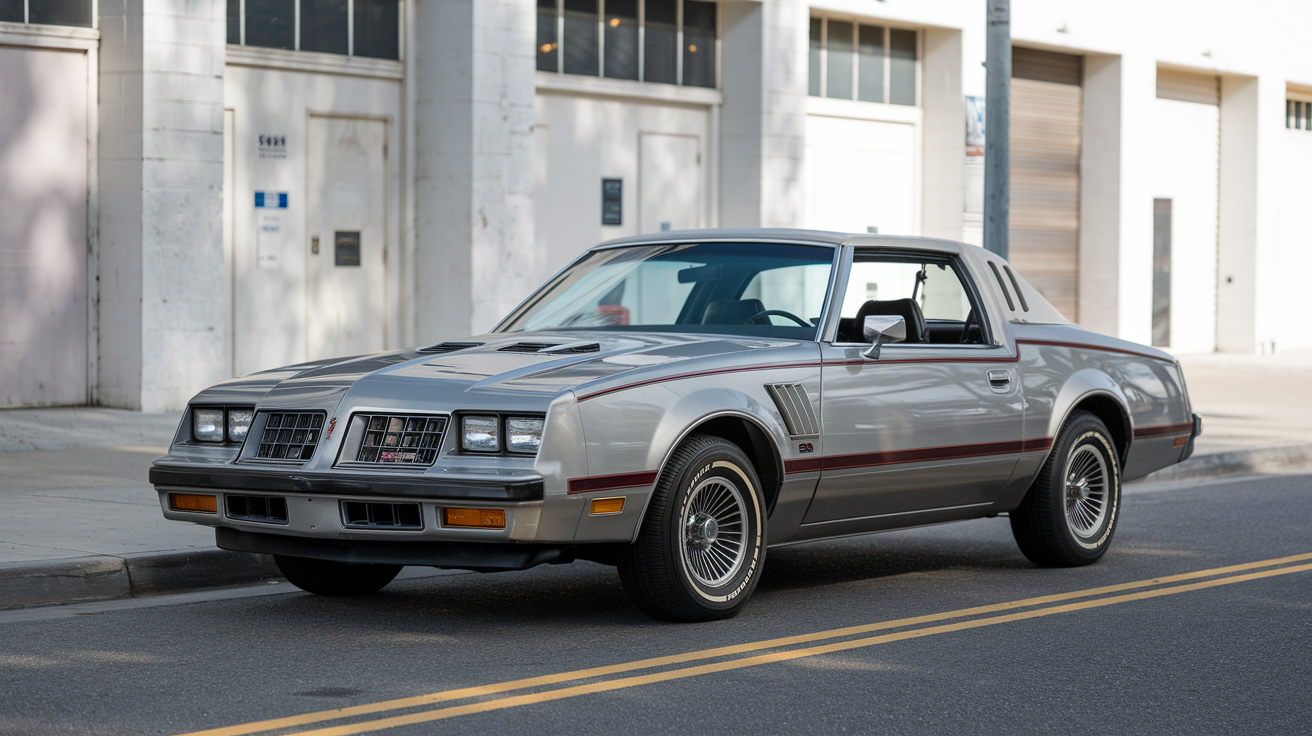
676,405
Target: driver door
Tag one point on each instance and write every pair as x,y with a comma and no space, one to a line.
930,430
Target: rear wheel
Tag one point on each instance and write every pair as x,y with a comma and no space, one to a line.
702,544
325,577
1069,515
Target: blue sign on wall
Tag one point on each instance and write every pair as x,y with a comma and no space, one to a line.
277,200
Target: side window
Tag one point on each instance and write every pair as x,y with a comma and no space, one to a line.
928,292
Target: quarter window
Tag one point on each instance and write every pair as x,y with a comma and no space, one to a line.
664,41
369,28
859,61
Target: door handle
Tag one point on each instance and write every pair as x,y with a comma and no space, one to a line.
999,380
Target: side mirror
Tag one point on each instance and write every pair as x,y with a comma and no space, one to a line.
880,329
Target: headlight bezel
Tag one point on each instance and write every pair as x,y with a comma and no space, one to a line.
225,428
500,423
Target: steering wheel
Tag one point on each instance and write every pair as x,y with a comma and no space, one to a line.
780,313
965,327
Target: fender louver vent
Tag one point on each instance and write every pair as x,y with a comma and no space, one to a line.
795,406
588,347
449,347
526,347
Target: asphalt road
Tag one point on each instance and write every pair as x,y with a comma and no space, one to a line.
956,633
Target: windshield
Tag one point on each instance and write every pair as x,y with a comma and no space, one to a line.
755,289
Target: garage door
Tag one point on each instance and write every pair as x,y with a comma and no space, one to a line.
860,176
1185,166
43,227
1046,113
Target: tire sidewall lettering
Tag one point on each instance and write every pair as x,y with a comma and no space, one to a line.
730,469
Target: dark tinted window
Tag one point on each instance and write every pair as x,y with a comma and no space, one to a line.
60,12
699,43
662,43
902,67
870,63
234,21
12,10
581,37
548,44
839,68
323,26
622,39
377,29
269,23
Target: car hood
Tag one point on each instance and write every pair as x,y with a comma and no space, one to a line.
518,371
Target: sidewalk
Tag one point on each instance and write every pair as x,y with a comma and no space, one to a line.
82,523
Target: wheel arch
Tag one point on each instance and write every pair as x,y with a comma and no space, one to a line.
1095,392
749,434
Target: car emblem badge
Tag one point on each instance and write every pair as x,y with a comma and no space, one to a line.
332,424
806,447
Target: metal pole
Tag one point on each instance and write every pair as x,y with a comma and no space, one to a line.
997,129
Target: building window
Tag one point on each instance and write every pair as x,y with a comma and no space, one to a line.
1298,114
856,61
47,12
369,28
666,41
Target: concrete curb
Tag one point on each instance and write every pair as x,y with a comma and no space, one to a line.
103,577
1283,459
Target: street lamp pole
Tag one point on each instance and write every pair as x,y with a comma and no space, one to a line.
997,129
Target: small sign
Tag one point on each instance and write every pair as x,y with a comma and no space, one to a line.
612,201
273,146
347,247
276,200
268,240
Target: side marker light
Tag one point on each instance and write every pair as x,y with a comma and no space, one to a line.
604,506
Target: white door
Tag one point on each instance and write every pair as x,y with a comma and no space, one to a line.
861,176
669,182
346,184
1185,167
43,227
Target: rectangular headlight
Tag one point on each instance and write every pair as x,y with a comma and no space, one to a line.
524,434
480,434
207,424
239,423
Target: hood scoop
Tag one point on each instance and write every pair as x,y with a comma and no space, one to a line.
526,347
574,348
449,347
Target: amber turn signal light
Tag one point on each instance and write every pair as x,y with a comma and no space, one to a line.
602,506
475,518
193,502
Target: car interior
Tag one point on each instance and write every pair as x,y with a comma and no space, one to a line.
928,293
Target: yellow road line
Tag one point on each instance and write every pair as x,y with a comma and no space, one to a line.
597,687
468,692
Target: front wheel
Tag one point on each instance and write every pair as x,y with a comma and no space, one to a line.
1068,516
325,577
702,544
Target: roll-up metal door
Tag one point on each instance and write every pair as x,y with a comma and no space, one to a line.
1046,113
1185,167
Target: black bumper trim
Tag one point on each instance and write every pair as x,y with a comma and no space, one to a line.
1193,435
283,481
477,556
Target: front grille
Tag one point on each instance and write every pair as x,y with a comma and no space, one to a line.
400,439
382,516
266,509
290,435
526,347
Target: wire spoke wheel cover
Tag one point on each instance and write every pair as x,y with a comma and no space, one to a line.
1086,491
713,543
701,546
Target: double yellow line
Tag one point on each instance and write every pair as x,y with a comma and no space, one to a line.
914,628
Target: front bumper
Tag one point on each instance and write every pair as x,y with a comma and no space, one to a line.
263,480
